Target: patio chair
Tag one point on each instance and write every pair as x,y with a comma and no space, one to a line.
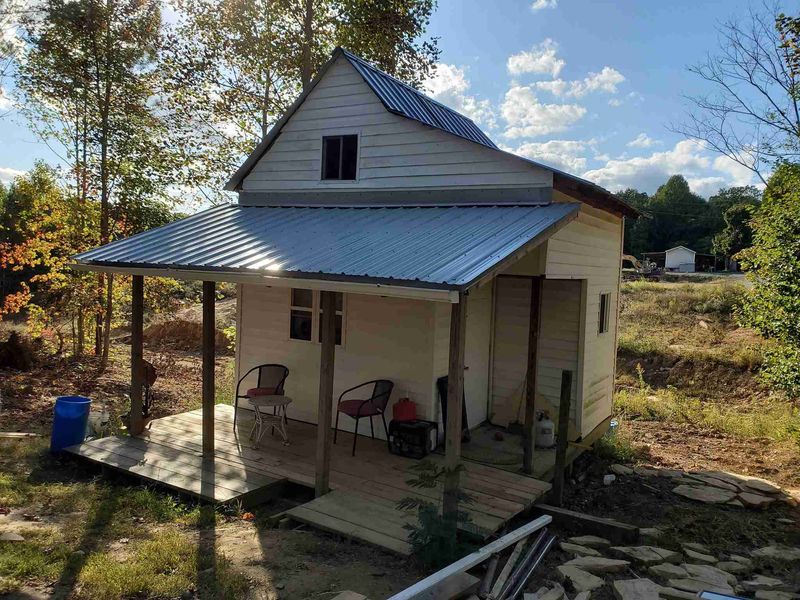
370,407
269,382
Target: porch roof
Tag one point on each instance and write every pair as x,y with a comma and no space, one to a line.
444,249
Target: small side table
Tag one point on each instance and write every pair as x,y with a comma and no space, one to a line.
277,420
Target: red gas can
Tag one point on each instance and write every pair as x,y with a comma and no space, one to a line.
404,410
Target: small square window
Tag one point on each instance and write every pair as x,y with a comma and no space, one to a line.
305,316
339,157
300,326
605,310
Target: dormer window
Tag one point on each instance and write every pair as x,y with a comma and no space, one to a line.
339,157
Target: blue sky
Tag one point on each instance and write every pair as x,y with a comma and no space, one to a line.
588,86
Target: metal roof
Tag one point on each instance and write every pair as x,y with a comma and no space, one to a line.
440,247
405,101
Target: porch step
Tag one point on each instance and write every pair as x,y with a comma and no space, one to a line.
353,516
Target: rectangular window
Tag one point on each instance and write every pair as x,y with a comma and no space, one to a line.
605,309
301,315
339,157
305,316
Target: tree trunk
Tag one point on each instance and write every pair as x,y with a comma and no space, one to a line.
107,321
81,333
306,68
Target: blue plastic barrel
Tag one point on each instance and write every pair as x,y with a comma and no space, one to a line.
70,416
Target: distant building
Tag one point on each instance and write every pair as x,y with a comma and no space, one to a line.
682,260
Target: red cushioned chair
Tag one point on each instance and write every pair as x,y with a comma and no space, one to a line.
269,382
373,406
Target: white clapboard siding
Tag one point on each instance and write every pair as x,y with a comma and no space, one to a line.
558,347
589,248
394,152
476,351
385,338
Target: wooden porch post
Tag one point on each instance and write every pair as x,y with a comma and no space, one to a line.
562,438
209,330
529,438
455,400
326,364
136,421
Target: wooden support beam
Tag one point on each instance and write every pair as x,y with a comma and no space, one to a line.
562,439
326,368
529,436
136,420
455,400
209,340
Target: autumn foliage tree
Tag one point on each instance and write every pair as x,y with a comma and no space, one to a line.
41,226
87,81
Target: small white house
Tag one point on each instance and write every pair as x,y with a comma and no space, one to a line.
413,217
680,258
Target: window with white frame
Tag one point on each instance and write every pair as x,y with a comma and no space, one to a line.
605,311
305,316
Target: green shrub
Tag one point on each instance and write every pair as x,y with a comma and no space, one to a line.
435,539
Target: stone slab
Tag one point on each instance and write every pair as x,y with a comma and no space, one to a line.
705,493
592,541
578,550
646,555
599,564
578,579
636,589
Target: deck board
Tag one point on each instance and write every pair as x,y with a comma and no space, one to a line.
365,488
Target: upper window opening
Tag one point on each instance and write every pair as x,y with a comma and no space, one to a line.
339,157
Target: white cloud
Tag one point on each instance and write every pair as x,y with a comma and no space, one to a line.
7,174
5,100
541,59
642,141
615,102
526,116
738,174
567,155
606,81
540,4
688,158
450,86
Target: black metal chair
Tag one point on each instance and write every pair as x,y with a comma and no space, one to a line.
371,407
270,381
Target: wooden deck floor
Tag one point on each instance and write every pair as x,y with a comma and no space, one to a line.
366,488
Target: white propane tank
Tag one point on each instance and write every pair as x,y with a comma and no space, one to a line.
545,431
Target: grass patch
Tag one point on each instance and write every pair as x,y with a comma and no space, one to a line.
770,418
41,557
162,567
617,449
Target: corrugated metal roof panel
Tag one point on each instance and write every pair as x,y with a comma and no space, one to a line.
445,247
401,98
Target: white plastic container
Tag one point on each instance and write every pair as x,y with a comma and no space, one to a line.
545,432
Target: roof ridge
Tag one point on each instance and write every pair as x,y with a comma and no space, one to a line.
411,88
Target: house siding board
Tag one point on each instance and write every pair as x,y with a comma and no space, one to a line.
476,352
400,349
557,350
599,235
343,103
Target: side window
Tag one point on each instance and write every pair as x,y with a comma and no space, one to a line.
305,316
301,315
605,309
339,157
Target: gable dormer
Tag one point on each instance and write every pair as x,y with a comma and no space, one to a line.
359,130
